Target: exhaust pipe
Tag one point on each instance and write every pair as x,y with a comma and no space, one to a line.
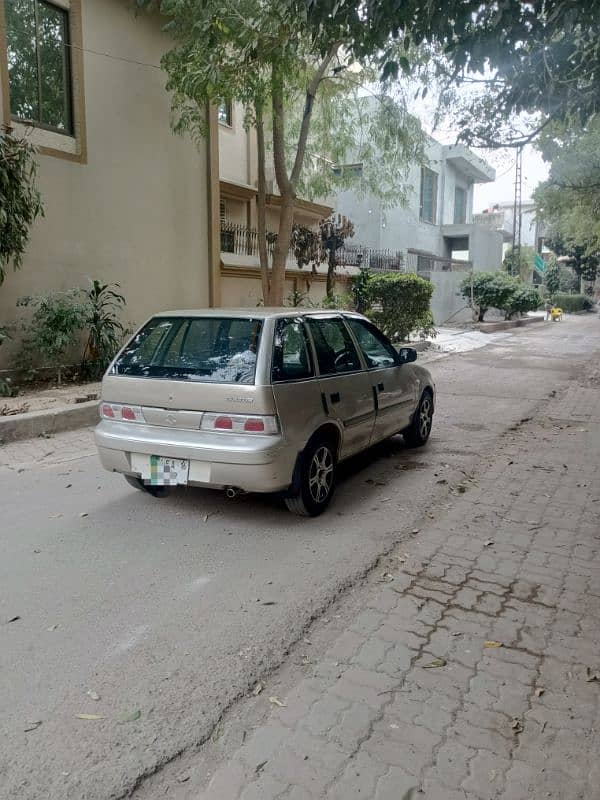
232,492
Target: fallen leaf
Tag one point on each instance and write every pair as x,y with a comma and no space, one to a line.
32,726
83,513
257,689
492,644
394,727
205,518
307,641
276,702
129,716
517,725
591,676
305,661
13,619
55,516
437,662
183,778
93,695
88,716
261,766
415,530
52,627
539,691
68,486
269,603
387,577
488,542
37,552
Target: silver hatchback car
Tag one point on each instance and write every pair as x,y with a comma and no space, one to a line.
257,400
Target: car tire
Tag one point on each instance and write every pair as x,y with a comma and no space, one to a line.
417,434
315,479
138,483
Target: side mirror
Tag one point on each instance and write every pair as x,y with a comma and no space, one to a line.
406,355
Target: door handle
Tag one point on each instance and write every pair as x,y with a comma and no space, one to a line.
380,387
335,397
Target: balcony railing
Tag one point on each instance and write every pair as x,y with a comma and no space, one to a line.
426,263
240,240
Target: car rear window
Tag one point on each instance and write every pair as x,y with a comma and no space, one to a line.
205,349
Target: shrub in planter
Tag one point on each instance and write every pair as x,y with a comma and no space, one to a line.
400,304
573,302
55,326
105,329
490,290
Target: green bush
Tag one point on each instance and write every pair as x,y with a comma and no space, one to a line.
573,302
501,291
55,326
400,304
523,298
105,329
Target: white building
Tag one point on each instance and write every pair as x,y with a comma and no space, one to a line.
435,234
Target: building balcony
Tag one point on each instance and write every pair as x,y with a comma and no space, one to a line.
239,243
466,162
424,264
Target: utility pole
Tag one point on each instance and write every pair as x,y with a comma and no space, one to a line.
517,211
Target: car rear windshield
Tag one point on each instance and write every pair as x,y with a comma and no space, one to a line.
206,349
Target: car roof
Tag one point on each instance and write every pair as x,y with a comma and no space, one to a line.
255,313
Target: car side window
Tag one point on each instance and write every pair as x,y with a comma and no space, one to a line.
377,350
336,352
292,359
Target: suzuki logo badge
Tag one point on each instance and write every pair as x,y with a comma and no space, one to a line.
171,419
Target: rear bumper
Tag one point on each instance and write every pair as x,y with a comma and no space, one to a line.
253,463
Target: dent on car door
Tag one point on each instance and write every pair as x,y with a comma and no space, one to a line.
347,392
393,383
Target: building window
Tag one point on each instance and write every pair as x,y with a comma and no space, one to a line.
223,211
348,170
39,64
460,206
225,114
429,187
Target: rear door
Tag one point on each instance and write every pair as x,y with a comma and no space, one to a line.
346,388
393,384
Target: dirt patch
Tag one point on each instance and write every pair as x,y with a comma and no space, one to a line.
49,398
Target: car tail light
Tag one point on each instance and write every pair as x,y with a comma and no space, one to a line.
120,412
239,423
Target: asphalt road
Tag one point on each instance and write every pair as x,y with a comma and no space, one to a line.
168,610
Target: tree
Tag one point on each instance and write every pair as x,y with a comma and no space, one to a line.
553,276
20,201
402,303
520,266
521,299
490,290
569,200
267,55
539,58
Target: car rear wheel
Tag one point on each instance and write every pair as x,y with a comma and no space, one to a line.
316,480
420,428
138,483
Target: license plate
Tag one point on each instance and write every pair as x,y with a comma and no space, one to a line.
163,471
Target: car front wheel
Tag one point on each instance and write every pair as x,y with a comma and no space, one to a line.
420,428
316,480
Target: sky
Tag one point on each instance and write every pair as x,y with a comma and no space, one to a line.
502,189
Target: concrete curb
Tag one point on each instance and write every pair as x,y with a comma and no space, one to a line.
506,325
37,423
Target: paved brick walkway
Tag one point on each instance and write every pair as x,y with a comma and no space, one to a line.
416,699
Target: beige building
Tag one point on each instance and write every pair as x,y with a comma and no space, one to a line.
125,199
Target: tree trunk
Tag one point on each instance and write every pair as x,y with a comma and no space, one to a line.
287,183
331,274
261,205
284,235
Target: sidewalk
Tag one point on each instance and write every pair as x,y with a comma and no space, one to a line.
473,670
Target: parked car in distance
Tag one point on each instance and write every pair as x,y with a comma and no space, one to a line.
257,400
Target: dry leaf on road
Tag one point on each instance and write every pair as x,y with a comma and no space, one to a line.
88,716
129,716
276,702
437,662
32,726
257,689
93,695
491,644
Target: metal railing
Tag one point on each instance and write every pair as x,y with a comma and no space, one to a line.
425,263
240,240
375,260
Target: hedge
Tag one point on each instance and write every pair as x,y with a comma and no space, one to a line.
573,302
